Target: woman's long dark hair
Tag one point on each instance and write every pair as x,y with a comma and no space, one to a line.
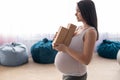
88,12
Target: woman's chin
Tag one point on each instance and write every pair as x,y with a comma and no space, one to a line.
79,20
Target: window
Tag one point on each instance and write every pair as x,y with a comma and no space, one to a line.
18,17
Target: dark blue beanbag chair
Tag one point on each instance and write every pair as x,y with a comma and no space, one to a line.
42,52
108,49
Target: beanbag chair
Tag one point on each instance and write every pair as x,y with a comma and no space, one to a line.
108,49
13,54
42,52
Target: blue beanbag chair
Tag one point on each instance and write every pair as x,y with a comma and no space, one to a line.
13,54
108,49
42,52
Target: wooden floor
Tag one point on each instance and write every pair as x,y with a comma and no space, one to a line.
103,69
98,69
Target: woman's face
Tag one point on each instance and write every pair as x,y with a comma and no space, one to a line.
78,14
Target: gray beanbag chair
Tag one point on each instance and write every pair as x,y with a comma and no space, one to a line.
13,54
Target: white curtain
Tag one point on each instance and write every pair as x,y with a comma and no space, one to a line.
29,19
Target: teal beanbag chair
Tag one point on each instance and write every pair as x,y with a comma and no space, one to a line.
108,49
13,54
42,52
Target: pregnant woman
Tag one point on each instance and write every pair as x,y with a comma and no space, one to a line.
72,60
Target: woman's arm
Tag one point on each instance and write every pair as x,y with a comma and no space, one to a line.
88,48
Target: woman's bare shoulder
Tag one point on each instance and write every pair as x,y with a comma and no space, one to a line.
91,33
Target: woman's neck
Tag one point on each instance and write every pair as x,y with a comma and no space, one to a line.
85,25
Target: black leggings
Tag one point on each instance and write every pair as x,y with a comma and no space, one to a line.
84,77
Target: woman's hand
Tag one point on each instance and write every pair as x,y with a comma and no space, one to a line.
59,47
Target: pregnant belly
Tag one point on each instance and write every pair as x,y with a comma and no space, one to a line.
66,64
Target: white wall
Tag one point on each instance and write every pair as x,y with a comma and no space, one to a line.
24,17
108,15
